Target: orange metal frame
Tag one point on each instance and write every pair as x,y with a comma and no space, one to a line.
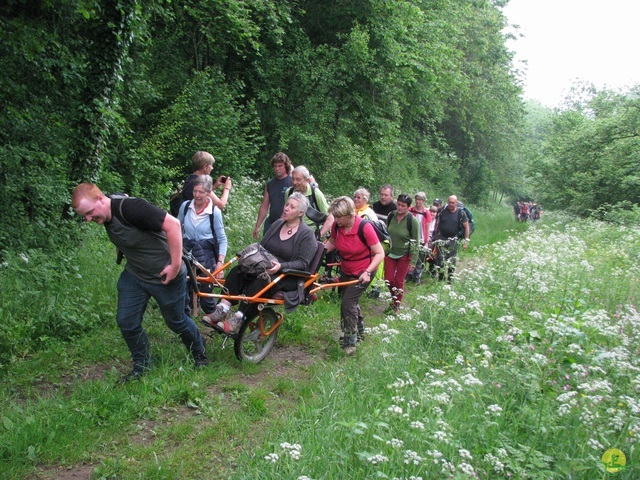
210,277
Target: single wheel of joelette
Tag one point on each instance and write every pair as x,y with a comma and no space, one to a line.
254,342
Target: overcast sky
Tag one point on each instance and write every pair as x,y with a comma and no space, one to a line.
565,40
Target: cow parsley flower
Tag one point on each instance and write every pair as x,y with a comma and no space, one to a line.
376,459
272,457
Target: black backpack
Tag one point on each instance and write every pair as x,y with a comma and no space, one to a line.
472,223
177,199
379,227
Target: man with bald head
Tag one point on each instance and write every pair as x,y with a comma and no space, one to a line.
452,227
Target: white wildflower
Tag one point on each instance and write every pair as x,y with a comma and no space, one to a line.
470,380
395,409
494,410
272,457
376,459
595,444
412,457
417,425
466,469
395,443
495,462
465,454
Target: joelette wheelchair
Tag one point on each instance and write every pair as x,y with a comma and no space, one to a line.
257,336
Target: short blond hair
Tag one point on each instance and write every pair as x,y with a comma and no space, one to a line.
342,207
202,158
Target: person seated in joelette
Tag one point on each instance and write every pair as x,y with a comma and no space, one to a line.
292,242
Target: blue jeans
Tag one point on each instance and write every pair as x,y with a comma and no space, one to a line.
133,297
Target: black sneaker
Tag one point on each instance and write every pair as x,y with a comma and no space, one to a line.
200,359
134,374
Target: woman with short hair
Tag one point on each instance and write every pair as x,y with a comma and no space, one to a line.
404,231
361,201
203,233
361,253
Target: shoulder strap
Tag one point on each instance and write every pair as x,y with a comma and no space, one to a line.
213,209
361,231
290,191
120,211
213,230
313,198
363,222
391,215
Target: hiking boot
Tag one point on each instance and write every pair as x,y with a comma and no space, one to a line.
349,350
200,359
135,374
348,343
218,315
233,324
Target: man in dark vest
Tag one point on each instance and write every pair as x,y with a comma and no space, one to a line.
151,241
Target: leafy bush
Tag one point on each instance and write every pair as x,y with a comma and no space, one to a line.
46,297
622,213
207,115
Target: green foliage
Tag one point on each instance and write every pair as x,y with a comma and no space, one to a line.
590,154
623,213
45,298
360,92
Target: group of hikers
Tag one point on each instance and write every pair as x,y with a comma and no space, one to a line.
524,211
379,244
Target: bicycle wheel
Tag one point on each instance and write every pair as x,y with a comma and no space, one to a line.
256,338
